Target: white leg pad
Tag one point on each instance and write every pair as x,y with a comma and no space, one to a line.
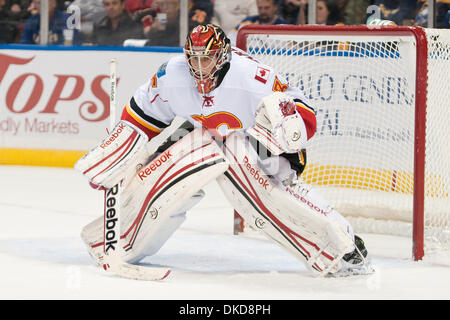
153,203
312,198
280,168
317,241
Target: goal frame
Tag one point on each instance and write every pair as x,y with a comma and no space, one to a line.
421,84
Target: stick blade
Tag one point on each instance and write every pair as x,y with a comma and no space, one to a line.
135,272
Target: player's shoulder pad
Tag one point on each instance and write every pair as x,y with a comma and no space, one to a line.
170,66
253,71
162,70
280,84
169,72
159,73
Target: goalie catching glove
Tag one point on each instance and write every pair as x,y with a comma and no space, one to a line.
279,127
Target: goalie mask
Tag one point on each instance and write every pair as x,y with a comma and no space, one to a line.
207,51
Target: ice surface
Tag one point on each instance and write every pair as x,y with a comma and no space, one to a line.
43,210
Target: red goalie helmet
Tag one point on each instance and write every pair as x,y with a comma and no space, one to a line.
207,51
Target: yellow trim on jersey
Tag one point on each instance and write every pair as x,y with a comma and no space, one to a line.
140,120
40,157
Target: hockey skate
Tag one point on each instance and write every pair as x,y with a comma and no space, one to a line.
356,262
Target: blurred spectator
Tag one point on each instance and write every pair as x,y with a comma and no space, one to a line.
8,28
142,11
267,14
32,8
442,14
57,22
18,9
353,12
402,12
327,12
289,10
133,6
200,12
165,27
229,13
116,26
90,11
63,4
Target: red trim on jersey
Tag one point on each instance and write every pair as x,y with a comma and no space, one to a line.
310,121
127,117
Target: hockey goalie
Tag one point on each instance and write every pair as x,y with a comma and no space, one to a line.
246,127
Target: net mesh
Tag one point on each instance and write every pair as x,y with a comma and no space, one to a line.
362,156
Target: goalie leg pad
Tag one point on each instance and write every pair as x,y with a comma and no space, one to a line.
314,239
116,157
157,239
155,199
312,198
92,234
285,177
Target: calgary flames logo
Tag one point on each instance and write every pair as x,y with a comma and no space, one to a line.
215,122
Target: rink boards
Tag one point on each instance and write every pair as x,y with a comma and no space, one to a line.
54,101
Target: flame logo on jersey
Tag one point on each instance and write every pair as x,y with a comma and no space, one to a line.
215,120
278,86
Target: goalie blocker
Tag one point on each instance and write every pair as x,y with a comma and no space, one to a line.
116,157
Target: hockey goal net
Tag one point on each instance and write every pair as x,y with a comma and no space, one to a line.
381,151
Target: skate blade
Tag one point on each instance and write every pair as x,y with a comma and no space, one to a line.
356,271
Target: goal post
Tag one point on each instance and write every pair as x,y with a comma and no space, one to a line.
381,94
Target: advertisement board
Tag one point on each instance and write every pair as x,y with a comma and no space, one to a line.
54,101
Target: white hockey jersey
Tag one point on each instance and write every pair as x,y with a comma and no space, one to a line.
230,106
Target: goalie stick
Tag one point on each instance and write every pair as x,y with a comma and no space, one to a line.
112,247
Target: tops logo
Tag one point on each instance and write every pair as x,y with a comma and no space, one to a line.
68,87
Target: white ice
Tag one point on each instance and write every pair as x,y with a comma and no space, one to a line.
43,210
